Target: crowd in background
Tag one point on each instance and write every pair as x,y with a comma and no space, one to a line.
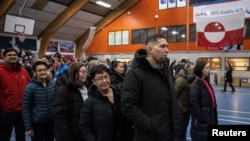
148,98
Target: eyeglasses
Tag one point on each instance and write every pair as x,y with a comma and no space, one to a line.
9,55
41,70
83,72
100,78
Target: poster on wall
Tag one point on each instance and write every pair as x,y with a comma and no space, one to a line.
53,46
66,47
68,58
171,3
181,3
163,4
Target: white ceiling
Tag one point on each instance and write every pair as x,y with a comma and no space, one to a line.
76,26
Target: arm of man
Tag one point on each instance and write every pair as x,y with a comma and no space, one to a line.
130,102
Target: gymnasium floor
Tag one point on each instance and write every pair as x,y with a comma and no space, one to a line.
233,108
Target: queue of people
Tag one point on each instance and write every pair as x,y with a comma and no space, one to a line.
149,101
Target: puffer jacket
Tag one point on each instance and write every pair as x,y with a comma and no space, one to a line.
38,102
202,111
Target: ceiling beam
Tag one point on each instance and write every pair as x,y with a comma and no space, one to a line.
127,4
46,35
40,4
5,5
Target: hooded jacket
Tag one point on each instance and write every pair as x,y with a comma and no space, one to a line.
149,101
13,80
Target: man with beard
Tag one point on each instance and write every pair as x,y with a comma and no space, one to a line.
148,97
13,80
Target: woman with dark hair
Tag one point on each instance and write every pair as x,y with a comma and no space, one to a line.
70,96
117,74
228,78
101,118
203,105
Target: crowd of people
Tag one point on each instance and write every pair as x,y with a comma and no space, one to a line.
151,99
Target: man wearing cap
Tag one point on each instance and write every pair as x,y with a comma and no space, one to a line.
13,80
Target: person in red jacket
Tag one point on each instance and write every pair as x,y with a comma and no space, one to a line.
13,80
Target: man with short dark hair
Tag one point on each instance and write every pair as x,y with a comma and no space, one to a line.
148,97
13,80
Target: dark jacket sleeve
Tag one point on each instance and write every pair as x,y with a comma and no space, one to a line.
195,100
63,129
85,122
27,107
130,97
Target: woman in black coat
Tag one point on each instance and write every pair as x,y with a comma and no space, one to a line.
70,96
101,118
228,78
203,105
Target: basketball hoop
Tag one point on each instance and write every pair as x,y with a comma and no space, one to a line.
21,36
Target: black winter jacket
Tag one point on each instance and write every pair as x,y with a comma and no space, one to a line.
202,111
149,101
68,104
102,121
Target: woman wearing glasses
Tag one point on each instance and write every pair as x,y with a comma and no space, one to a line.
70,96
101,118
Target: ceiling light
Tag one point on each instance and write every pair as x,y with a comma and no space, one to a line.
102,3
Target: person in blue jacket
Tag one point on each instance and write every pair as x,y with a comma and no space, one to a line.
38,104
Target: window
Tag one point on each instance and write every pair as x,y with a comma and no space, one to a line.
192,32
239,64
247,29
181,33
139,36
214,62
174,33
163,31
118,38
171,36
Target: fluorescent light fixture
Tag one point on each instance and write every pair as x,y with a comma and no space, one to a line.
102,3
